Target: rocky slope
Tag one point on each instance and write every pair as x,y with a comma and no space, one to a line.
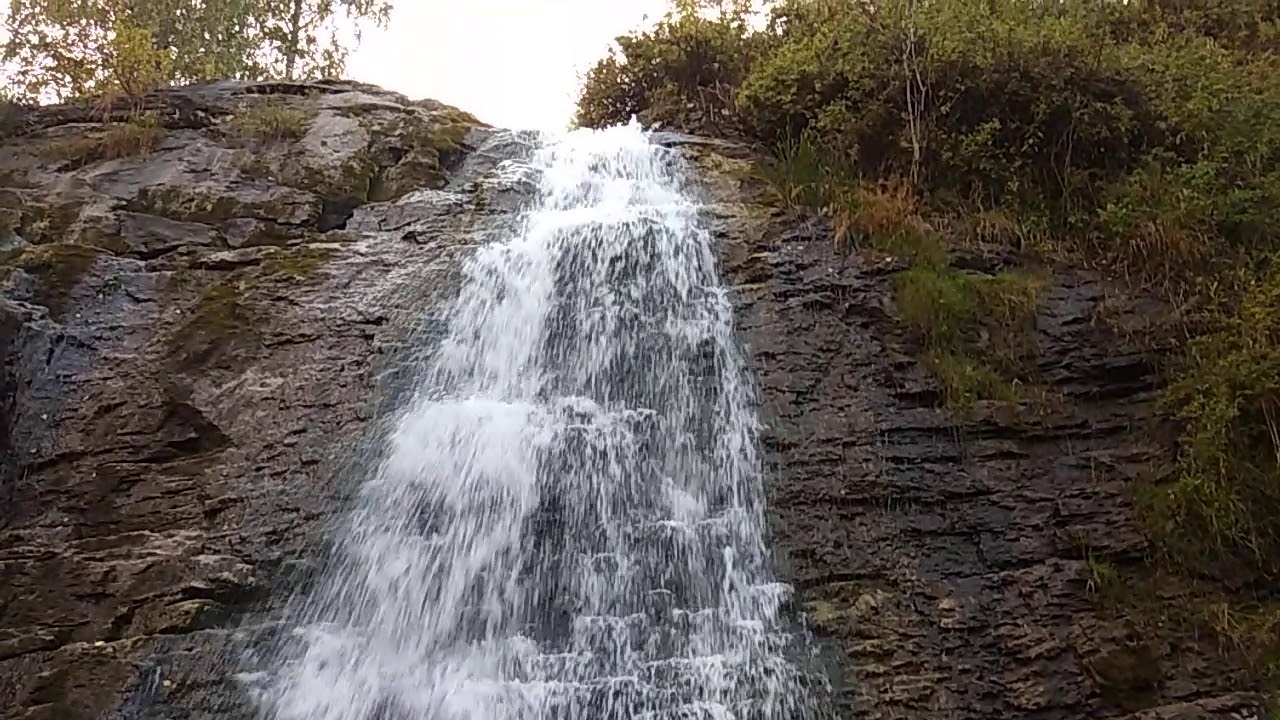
196,302
192,309
954,567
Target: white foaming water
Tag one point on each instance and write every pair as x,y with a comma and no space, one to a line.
568,520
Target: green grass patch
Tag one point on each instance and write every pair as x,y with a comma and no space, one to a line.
797,175
976,331
1222,508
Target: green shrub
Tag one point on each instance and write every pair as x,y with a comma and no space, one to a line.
686,63
1209,196
1226,391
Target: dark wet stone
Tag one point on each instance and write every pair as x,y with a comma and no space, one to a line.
941,565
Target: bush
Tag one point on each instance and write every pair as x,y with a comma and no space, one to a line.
1080,112
1226,390
686,63
1210,193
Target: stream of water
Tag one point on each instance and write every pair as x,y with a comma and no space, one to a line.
567,522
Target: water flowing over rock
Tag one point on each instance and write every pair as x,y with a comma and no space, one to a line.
319,402
568,521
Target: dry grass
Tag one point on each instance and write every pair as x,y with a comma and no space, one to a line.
135,138
1000,228
271,122
887,213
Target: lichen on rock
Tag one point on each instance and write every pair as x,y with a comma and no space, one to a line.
362,148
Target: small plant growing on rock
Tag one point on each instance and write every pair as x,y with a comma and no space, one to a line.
270,123
798,177
136,138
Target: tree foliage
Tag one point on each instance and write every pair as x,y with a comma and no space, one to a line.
304,40
68,48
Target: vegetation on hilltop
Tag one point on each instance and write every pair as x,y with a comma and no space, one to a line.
69,48
1139,137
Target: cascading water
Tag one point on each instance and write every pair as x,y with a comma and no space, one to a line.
568,521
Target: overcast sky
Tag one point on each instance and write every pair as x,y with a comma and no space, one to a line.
512,63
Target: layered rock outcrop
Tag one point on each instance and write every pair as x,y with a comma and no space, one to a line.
952,567
195,304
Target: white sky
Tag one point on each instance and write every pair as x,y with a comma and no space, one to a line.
512,63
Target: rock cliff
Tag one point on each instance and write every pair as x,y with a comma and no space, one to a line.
196,298
193,301
954,565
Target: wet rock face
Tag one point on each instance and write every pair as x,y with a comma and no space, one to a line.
189,335
946,569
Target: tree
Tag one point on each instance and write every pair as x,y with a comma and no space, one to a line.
307,38
67,48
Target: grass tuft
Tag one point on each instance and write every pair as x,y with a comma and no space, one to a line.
1222,509
271,122
135,138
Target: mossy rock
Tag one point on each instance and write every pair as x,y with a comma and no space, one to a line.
448,113
403,151
12,200
223,328
251,232
101,231
827,616
185,203
413,153
56,270
10,220
208,206
1127,675
296,264
400,180
16,177
220,329
426,151
38,221
349,182
82,680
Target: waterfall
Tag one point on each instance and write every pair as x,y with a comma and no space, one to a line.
567,521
